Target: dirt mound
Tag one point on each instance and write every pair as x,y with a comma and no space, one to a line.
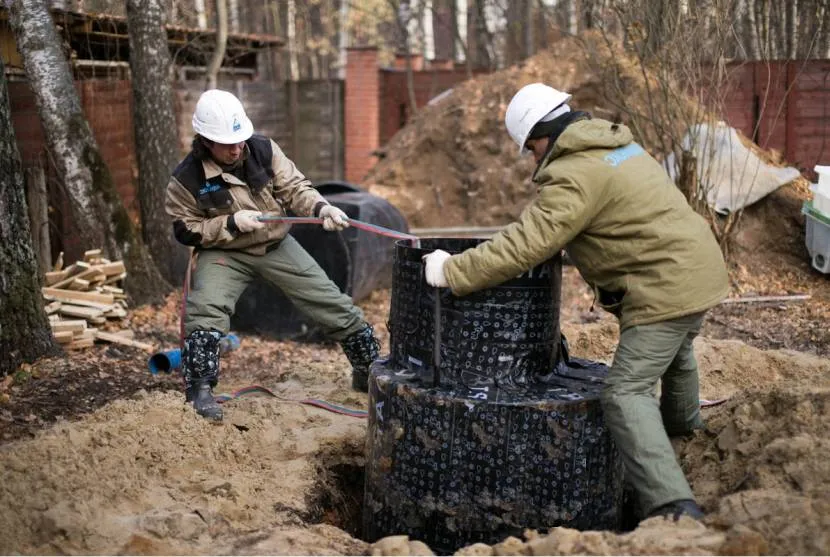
454,164
149,468
764,465
147,476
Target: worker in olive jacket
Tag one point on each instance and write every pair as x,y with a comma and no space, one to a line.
216,197
650,258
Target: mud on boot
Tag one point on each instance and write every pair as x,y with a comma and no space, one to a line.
200,367
361,348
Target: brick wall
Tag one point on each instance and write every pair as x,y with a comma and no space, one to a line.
362,106
784,106
395,107
377,102
107,106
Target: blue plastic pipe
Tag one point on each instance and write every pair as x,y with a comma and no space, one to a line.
169,360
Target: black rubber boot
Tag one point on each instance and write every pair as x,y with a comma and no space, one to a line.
200,367
675,509
361,348
204,403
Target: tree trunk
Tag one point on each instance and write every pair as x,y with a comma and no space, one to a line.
481,37
156,139
792,29
25,334
37,197
752,41
221,43
99,215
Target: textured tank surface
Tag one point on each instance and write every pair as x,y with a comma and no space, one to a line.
501,336
480,425
455,466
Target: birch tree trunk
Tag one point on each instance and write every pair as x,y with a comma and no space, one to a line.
753,44
791,34
156,138
25,334
221,43
97,211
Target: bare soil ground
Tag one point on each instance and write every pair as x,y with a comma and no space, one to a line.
99,456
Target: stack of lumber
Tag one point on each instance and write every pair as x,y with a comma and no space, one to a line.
86,297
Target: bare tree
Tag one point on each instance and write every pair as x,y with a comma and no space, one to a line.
100,216
25,334
218,55
155,132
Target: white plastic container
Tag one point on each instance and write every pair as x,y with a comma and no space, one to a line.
817,238
821,191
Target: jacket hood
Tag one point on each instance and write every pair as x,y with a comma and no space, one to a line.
590,134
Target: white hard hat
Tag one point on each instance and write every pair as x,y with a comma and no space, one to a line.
220,117
532,104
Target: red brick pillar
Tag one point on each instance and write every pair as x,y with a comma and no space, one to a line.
362,107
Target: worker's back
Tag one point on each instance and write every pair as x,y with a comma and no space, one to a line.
643,246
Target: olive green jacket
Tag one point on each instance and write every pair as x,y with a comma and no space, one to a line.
624,224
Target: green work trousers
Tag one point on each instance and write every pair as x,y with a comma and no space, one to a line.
221,276
639,424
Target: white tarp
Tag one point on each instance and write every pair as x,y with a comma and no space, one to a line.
729,174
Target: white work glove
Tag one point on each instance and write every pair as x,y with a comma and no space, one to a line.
333,218
246,220
435,268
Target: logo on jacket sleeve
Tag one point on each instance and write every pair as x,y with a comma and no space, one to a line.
618,156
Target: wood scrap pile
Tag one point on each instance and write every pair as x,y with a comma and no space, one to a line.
85,302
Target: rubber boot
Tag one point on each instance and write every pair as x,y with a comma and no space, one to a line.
675,509
204,403
361,348
200,367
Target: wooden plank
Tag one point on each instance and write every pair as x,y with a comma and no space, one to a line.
74,297
126,333
52,307
119,339
91,255
70,325
80,311
100,320
112,290
766,299
78,284
53,277
59,263
80,343
116,313
79,270
115,268
63,337
115,278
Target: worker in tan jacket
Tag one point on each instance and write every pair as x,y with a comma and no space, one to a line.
216,197
650,258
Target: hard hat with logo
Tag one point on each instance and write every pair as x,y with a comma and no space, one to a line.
220,117
532,104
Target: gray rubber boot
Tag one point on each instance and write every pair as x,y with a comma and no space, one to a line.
361,348
200,367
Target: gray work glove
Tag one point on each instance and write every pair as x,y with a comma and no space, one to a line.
246,220
333,218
